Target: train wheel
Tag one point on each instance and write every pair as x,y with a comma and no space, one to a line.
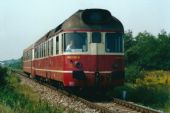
61,85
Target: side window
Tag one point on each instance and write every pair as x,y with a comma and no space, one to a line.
48,48
96,37
38,51
63,42
35,52
51,46
31,54
42,46
57,48
42,49
27,55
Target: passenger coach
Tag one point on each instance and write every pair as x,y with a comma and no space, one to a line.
86,50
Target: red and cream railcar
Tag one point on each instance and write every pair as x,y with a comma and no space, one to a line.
27,59
86,50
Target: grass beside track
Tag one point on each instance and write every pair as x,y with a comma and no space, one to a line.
17,98
152,90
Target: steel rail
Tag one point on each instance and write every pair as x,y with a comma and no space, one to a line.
136,107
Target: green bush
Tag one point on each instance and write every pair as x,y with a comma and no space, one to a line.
3,74
153,95
148,51
132,73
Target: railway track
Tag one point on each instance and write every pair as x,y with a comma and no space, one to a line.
115,106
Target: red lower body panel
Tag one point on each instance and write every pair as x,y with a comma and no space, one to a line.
97,70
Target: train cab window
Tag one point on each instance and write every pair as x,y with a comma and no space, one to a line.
75,42
114,42
96,37
57,48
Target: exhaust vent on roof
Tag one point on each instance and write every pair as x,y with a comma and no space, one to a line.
96,16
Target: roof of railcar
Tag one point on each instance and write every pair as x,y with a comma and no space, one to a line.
79,21
29,48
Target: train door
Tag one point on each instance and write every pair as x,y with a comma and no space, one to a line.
97,48
32,64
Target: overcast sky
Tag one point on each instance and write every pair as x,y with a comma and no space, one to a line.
22,22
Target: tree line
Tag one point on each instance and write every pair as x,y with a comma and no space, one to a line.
146,52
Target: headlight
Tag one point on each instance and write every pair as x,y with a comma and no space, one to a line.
78,65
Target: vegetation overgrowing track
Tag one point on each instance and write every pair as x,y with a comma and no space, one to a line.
116,106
